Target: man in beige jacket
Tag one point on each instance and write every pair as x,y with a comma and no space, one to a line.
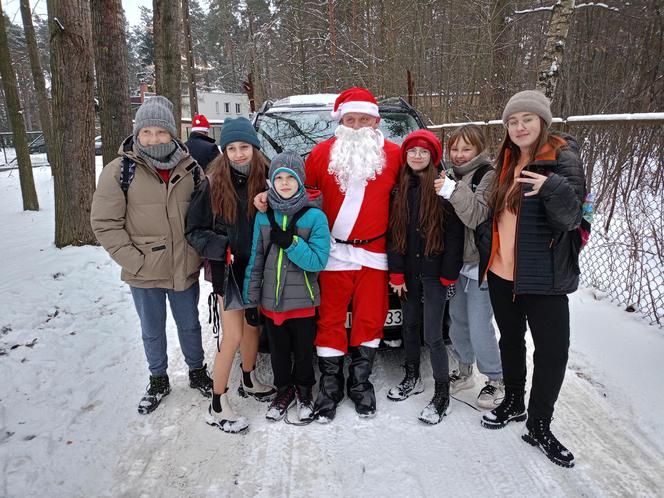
138,216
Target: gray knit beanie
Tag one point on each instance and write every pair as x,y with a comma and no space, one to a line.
529,101
155,111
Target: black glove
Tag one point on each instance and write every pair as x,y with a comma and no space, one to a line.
283,239
218,270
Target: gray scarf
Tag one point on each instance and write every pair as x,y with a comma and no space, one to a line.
161,156
287,206
241,168
472,165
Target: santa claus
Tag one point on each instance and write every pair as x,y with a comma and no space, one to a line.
355,170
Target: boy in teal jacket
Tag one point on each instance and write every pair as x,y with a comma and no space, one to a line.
291,244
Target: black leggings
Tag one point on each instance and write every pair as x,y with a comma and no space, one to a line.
548,318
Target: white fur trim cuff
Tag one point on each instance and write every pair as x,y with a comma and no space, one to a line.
371,344
199,128
357,106
326,352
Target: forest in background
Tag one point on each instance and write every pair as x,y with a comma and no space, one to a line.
465,58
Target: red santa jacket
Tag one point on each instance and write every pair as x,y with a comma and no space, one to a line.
374,211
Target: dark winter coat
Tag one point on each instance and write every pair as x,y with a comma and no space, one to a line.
547,241
446,264
211,236
202,148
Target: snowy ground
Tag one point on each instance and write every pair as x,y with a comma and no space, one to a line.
72,370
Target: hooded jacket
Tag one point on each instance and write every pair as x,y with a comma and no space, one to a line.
144,232
547,242
287,279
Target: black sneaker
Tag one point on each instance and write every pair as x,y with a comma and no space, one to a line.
200,380
281,403
156,390
539,434
512,409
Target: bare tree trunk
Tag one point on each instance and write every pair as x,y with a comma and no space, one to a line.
28,192
111,72
189,50
37,77
167,53
554,50
74,116
499,55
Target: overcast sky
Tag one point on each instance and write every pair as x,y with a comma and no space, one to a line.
11,8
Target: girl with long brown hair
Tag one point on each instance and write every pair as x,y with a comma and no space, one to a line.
220,227
424,256
530,257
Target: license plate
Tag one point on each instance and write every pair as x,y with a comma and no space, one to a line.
394,318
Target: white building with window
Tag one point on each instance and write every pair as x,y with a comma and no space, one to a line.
218,105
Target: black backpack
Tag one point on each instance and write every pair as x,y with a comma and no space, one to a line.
478,175
128,169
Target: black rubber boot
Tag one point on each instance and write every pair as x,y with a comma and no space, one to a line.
358,386
330,388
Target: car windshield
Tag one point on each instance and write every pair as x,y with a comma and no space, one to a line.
301,130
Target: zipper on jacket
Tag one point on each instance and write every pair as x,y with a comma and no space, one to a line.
279,260
311,292
516,245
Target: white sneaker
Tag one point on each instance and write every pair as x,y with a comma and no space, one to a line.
462,379
226,419
492,394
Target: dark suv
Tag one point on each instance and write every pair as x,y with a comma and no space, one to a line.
300,122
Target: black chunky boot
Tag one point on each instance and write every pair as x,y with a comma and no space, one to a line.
439,406
156,390
410,385
330,388
201,381
512,409
539,434
358,386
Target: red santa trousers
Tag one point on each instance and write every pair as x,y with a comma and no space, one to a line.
367,288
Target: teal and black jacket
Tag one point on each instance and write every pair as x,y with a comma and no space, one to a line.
287,279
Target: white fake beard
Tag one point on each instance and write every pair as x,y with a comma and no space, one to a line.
356,157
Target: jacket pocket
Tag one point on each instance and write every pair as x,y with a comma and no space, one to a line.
157,253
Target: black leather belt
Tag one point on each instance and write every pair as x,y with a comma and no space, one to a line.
358,242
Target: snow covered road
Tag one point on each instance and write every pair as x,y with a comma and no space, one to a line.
73,370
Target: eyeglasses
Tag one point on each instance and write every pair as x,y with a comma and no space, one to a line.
513,124
418,152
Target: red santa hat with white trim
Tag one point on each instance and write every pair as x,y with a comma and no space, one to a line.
200,123
355,100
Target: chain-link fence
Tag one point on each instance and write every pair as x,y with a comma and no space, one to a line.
624,162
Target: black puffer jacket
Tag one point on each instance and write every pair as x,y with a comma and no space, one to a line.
446,264
211,236
202,148
547,242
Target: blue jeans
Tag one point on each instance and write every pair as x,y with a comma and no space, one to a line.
423,307
151,308
471,331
